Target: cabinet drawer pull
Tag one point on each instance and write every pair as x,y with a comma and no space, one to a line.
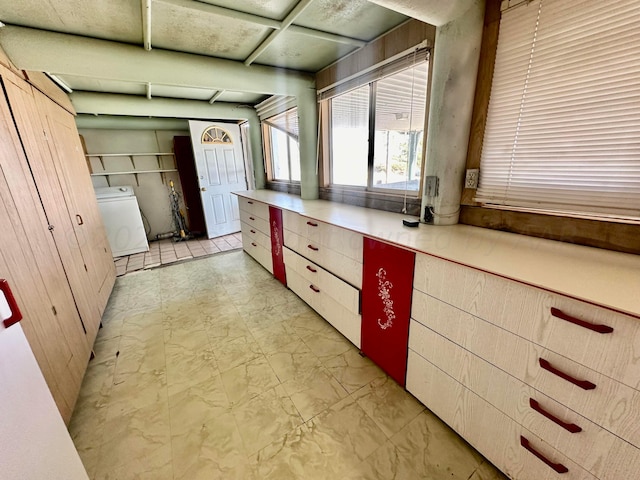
249,202
591,326
311,247
558,467
584,384
571,427
79,220
312,224
252,231
254,244
314,288
251,218
311,269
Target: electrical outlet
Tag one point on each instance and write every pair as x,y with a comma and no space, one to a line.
471,178
431,186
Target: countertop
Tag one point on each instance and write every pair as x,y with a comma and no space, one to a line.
603,277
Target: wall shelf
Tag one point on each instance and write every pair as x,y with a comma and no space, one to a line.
160,170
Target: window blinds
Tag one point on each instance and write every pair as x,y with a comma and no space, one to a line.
286,121
563,125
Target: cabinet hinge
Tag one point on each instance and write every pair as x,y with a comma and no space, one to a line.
85,268
44,133
51,227
53,309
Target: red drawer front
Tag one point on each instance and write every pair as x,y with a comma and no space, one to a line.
277,243
386,306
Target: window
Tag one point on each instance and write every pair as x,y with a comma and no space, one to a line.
563,125
283,150
377,130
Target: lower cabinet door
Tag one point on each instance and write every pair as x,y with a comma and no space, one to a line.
277,244
386,306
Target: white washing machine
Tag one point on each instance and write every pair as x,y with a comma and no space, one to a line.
122,220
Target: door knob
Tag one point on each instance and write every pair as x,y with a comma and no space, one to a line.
203,189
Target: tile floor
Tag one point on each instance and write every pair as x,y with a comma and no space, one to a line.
164,252
211,369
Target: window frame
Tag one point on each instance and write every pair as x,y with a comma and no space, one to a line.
268,151
327,134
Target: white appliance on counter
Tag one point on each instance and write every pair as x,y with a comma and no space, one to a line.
122,220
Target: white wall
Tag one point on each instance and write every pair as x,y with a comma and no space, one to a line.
152,193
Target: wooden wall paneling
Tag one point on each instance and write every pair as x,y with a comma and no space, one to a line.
483,91
42,168
78,190
56,354
44,84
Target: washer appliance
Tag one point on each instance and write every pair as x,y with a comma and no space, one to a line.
122,220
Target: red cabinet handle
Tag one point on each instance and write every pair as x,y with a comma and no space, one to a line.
251,218
311,269
591,326
16,315
571,427
314,288
79,220
253,243
584,384
312,224
315,249
558,467
252,231
249,202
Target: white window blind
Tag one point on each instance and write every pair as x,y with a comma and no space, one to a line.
286,121
563,126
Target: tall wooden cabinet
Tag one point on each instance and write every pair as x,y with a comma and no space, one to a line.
54,251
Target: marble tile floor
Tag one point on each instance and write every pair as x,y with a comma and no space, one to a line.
164,252
211,369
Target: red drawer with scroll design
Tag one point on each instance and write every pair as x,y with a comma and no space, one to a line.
387,285
277,243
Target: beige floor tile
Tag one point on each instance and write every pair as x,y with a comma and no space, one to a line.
314,392
249,380
327,343
293,361
434,450
188,366
236,352
386,463
156,465
266,418
352,370
486,471
388,404
136,391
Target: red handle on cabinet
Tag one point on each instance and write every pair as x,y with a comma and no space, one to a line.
591,326
79,219
312,224
571,427
311,269
251,218
584,384
558,467
252,231
311,247
16,315
254,244
314,288
249,202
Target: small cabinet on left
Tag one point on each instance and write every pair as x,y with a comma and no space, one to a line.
54,250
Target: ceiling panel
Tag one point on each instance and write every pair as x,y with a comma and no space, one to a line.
119,20
302,52
104,86
352,18
186,30
170,91
275,9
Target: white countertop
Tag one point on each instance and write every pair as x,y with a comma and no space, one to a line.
603,277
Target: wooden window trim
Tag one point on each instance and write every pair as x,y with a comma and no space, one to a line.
594,233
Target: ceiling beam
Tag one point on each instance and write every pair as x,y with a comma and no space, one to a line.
434,12
131,105
288,20
332,37
60,53
223,11
216,96
119,122
146,23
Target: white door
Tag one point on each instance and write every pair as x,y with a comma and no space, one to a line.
220,168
